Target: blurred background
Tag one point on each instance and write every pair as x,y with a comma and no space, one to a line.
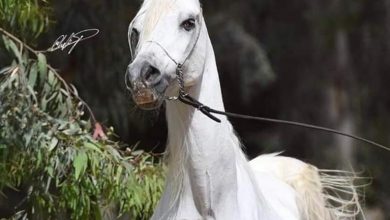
323,62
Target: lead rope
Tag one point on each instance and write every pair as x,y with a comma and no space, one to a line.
187,99
206,110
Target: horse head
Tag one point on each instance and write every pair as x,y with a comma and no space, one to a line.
164,35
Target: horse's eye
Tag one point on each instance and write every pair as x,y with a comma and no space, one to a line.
188,24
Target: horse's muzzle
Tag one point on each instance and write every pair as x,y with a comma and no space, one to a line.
147,84
146,98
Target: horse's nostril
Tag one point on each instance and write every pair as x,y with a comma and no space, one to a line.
151,74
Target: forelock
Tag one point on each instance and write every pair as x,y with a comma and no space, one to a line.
154,10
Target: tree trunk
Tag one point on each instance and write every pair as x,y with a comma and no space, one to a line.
339,92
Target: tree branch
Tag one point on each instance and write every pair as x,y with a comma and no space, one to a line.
64,83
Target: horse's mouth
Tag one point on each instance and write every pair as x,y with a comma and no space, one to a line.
147,99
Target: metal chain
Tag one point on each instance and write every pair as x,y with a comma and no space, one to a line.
180,79
180,82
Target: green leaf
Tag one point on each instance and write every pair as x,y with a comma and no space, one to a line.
28,137
39,159
5,70
92,147
51,78
137,152
43,103
53,143
73,129
50,171
33,75
118,175
16,51
6,41
42,66
80,164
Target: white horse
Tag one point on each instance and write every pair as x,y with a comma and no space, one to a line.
209,176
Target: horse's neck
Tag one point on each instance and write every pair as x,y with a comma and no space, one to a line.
208,174
202,153
190,133
184,121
